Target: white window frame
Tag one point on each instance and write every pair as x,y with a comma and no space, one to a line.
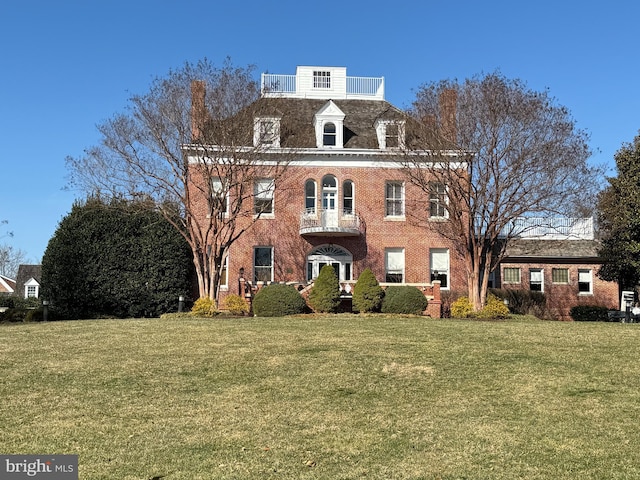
326,135
534,272
224,277
439,200
258,275
31,289
395,200
394,264
263,191
440,266
351,198
218,187
585,275
266,132
321,79
310,203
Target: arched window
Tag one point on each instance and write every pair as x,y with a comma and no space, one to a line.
329,135
339,258
310,196
347,198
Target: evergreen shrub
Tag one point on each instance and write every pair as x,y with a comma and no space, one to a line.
404,299
589,313
278,300
204,307
367,293
324,296
236,305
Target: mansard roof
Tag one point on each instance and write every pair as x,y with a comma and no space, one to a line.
559,249
297,120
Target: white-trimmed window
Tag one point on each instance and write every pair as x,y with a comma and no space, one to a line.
224,275
310,197
585,281
31,288
263,264
347,198
321,79
536,280
394,199
263,196
560,276
266,131
394,265
438,200
439,265
329,134
219,197
511,275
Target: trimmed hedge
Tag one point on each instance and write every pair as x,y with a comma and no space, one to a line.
589,313
278,300
324,297
404,299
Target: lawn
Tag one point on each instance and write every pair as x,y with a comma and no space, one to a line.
333,397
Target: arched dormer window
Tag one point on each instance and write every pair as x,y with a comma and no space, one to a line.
329,135
329,126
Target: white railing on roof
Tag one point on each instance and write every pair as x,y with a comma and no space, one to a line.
362,88
272,83
553,228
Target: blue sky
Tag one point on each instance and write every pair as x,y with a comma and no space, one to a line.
68,65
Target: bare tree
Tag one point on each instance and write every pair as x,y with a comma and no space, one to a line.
188,146
488,152
10,260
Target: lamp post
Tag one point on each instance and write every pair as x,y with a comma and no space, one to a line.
45,310
180,303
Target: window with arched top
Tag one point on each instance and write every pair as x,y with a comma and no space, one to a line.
347,197
329,135
310,196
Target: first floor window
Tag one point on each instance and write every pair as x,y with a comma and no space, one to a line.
394,265
511,275
536,280
224,279
560,275
263,264
394,199
585,281
439,264
263,196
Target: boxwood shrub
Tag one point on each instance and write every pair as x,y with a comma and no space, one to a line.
589,313
403,299
278,300
367,293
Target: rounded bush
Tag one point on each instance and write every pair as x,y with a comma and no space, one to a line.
494,308
404,299
589,313
367,293
277,300
324,297
236,305
204,307
461,308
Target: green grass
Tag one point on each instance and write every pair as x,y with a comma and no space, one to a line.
334,397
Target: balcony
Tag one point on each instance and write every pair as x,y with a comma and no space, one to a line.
330,223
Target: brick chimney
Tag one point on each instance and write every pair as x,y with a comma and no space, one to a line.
448,105
198,109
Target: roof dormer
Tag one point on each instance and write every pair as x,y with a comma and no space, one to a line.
390,134
266,131
329,126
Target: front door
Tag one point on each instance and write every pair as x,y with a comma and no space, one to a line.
339,258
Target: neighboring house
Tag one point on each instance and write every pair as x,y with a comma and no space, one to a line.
562,263
7,285
28,281
346,202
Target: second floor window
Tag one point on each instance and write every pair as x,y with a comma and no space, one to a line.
437,200
347,197
219,204
394,199
310,196
263,196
